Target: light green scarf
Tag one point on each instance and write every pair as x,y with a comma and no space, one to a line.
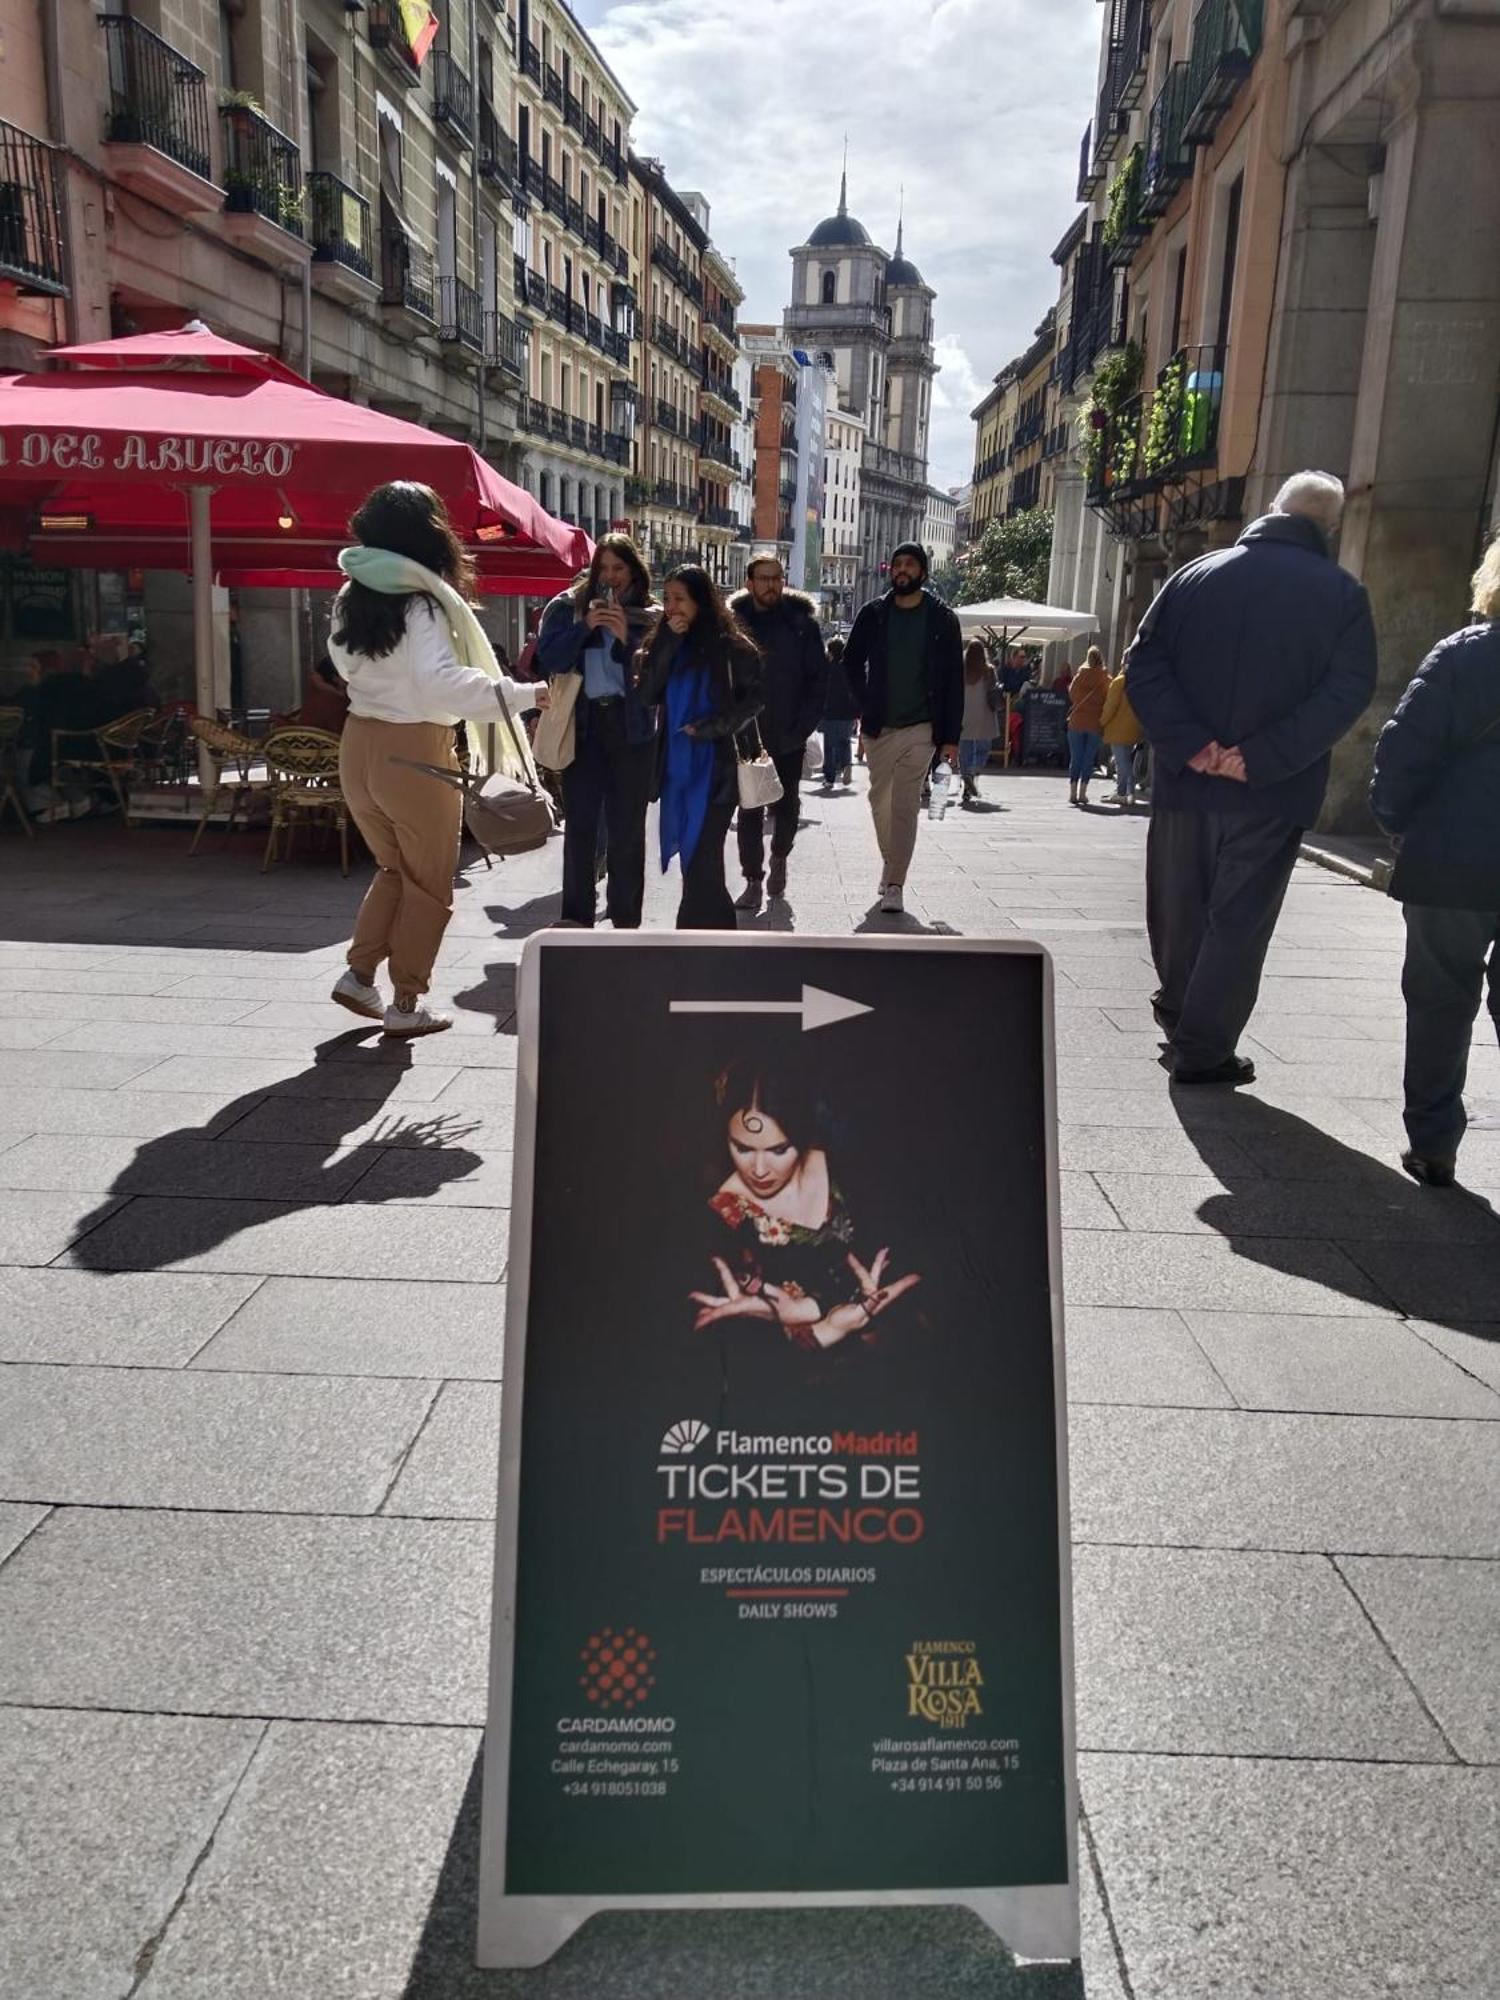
491,745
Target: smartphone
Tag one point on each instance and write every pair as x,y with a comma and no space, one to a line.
607,594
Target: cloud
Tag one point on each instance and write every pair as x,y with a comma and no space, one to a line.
975,107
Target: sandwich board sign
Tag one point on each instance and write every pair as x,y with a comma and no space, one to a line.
782,1607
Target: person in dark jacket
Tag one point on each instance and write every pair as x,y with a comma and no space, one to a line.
837,722
1436,790
1249,666
596,629
706,674
905,662
784,625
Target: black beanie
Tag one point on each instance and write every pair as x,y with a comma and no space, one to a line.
912,549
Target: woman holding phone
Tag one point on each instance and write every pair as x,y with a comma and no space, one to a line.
595,630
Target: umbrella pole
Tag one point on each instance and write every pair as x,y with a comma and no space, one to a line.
199,499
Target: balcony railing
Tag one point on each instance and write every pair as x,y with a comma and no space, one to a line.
497,149
1226,41
572,111
715,515
665,336
156,97
683,498
452,96
388,34
1169,158
406,276
460,314
1089,175
531,61
262,169
667,259
726,393
1160,437
552,87
505,345
538,292
667,418
31,213
338,225
721,317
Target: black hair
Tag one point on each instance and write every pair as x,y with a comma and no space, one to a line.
410,520
782,1090
835,649
715,635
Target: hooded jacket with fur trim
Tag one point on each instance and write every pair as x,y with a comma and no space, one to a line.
795,667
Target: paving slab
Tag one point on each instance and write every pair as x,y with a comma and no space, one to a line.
53,1069
78,1008
1371,1205
1473,1345
1370,1367
35,1228
1208,1652
277,1239
185,1163
1250,1479
130,1114
1440,1619
105,1817
284,1120
1250,1274
1430,1281
386,1080
110,1437
121,1319
454,1467
16,1523
324,1869
1148,1150
247,1614
405,1174
368,1327
1233,1877
1120,1355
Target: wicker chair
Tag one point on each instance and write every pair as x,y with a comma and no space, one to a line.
11,720
228,751
304,768
114,754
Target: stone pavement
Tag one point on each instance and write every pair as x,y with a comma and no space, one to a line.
251,1318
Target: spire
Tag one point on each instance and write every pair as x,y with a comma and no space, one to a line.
901,219
844,180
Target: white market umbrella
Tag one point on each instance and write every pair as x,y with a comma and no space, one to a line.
1025,624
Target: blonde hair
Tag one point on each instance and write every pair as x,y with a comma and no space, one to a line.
1487,582
1093,658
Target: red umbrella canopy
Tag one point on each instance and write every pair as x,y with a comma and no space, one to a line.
96,460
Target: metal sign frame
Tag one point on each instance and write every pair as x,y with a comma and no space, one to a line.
1039,1923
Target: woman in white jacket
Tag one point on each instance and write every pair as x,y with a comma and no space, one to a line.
416,663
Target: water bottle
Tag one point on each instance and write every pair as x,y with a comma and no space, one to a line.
942,785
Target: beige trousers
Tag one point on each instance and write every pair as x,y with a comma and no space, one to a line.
899,760
411,825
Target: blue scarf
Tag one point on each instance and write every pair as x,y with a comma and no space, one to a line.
689,774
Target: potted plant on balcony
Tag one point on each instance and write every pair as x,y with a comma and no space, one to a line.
1116,380
1164,426
1124,227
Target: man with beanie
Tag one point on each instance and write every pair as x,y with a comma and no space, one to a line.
784,624
905,662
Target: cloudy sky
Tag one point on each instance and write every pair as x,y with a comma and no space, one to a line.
977,106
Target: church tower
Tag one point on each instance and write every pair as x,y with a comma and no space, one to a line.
871,314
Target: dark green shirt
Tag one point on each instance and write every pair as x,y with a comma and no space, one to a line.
906,702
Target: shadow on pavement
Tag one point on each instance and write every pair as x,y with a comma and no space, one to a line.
210,1200
876,1953
874,924
495,994
1432,1254
527,918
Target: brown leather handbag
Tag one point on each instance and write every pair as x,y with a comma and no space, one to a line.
505,815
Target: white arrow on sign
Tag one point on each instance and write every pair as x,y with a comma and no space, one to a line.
817,1008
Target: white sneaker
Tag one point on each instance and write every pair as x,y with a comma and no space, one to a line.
891,901
420,1021
360,998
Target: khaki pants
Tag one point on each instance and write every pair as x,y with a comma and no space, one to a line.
411,825
899,759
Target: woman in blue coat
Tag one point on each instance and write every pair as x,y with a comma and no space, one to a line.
1436,791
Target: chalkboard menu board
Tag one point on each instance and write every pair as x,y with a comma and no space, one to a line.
1044,726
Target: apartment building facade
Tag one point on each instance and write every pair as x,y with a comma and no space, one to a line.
846,434
723,529
776,379
571,267
672,240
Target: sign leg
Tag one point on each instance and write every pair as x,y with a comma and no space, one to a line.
519,1932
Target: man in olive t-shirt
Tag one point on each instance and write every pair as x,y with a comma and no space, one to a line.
905,665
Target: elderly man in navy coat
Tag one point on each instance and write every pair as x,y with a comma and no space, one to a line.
1247,669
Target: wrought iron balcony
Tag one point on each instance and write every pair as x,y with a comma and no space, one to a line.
452,97
716,515
1226,41
572,111
1160,439
722,390
552,87
667,418
1169,157
518,274
665,336
667,259
31,213
338,225
682,498
388,34
505,345
538,292
497,149
407,276
262,169
1090,175
531,62
156,97
460,315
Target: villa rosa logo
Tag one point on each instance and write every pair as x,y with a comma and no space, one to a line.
684,1437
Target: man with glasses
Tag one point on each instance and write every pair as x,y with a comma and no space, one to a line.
784,624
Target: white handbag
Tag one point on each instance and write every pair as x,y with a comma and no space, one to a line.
759,784
812,755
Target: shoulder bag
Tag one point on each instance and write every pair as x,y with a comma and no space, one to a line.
758,782
505,815
555,743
